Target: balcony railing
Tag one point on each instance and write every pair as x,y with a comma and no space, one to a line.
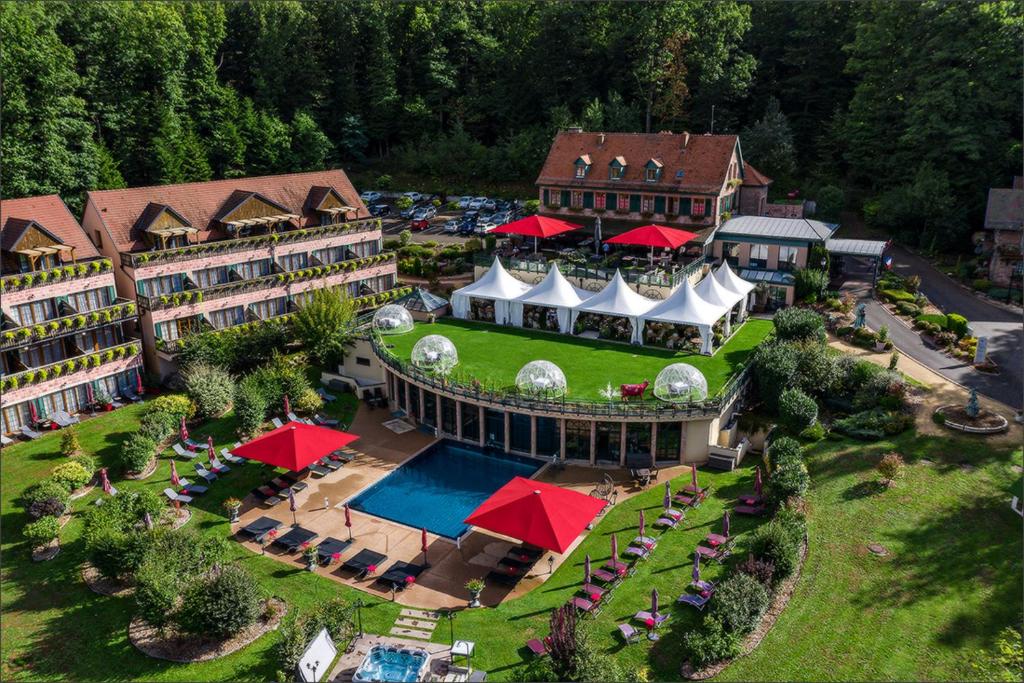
121,309
362,303
70,366
230,246
642,276
504,399
193,296
40,278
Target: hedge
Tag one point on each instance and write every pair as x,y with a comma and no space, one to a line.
957,324
932,319
895,295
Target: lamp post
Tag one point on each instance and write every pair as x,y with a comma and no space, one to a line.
450,615
551,564
313,667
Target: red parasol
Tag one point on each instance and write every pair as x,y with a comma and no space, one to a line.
536,227
32,412
174,475
294,445
183,431
423,544
139,389
653,236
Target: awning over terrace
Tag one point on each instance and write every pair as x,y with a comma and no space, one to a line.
686,307
618,300
496,285
554,291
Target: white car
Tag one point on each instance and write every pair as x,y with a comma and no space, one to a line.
451,226
464,202
477,203
485,227
370,196
414,197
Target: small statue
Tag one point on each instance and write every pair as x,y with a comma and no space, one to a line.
858,321
973,408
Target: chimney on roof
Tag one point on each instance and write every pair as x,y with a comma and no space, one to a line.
600,139
575,129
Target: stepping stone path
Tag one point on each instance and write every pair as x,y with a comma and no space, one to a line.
415,623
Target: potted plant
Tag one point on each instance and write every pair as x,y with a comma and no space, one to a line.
309,553
475,588
232,505
103,400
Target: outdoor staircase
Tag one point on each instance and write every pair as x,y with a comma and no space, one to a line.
724,458
415,623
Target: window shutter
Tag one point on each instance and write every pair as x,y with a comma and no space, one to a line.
634,203
684,206
707,207
611,200
659,205
588,200
565,198
544,197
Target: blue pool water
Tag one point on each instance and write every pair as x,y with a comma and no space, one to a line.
385,663
441,486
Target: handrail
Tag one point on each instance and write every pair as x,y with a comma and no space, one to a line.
68,366
585,408
121,309
189,296
39,278
228,246
658,278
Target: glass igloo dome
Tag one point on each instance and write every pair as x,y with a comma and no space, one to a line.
680,382
392,319
541,377
435,353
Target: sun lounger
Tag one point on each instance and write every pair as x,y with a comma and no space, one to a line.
363,560
648,542
234,459
190,489
258,530
687,499
277,422
586,606
604,575
64,419
668,522
30,433
295,537
698,601
629,634
703,586
116,402
397,575
5,440
750,509
508,576
716,554
292,417
526,552
218,466
330,398
537,646
750,499
285,483
324,421
319,470
516,563
638,551
271,501
130,395
342,456
332,465
658,620
615,565
715,540
204,473
184,452
592,590
329,547
176,497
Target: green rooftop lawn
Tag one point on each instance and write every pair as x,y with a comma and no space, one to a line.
493,355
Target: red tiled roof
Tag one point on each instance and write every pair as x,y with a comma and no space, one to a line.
201,203
50,212
703,159
753,177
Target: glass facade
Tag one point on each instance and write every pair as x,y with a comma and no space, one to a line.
448,415
670,436
577,440
494,428
470,422
609,440
638,440
430,408
548,438
519,432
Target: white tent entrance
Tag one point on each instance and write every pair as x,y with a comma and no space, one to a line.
554,295
496,288
619,301
734,283
715,293
685,307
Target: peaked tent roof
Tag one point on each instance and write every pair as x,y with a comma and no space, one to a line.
730,280
554,290
617,299
686,307
495,284
714,292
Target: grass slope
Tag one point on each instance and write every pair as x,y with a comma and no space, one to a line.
493,355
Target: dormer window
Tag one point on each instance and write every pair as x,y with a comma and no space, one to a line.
652,171
617,169
582,166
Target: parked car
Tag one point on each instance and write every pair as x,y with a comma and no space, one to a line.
371,196
416,197
467,228
424,212
451,226
482,228
486,216
410,212
420,224
471,216
464,202
501,218
380,210
477,203
490,205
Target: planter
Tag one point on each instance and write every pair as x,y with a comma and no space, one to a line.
474,598
233,514
879,346
987,422
46,552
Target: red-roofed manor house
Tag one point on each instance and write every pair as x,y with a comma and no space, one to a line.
675,179
63,343
211,255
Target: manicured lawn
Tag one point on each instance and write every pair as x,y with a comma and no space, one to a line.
493,355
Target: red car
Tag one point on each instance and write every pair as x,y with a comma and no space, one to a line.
421,224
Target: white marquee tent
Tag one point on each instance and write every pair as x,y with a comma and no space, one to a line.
554,291
731,281
618,300
714,292
497,286
685,307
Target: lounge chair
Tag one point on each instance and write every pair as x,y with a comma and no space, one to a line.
292,417
259,529
360,563
638,551
750,499
190,489
601,593
116,402
184,452
329,398
526,552
715,540
130,395
277,422
615,565
586,606
342,456
324,421
234,459
319,470
289,481
698,601
604,575
218,466
716,554
688,499
294,538
668,522
332,465
176,497
63,418
629,634
538,647
5,440
204,473
659,619
329,547
750,509
397,575
268,496
703,586
648,542
30,433
506,577
516,563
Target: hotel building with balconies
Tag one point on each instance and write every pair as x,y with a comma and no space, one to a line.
212,255
65,336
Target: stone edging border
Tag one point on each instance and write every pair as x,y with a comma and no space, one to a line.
144,474
972,430
752,640
101,586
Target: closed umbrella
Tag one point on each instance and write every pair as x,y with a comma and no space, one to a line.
90,396
615,554
693,479
725,524
423,545
654,602
139,389
175,479
209,449
642,523
348,520
32,412
183,431
287,405
758,484
597,235
696,568
667,500
292,507
586,569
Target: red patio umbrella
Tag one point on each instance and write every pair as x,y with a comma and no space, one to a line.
534,512
294,445
536,227
423,544
654,236
183,431
32,412
139,389
348,520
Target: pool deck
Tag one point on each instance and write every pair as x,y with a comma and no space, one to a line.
442,584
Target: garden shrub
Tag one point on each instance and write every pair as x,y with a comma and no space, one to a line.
137,452
69,441
907,308
740,602
816,432
251,405
335,615
173,563
157,589
817,369
42,531
46,507
788,479
308,402
982,284
210,387
945,339
775,543
895,295
809,284
44,489
784,449
159,425
874,424
774,365
797,410
87,462
932,319
957,324
177,405
710,642
761,570
879,386
798,324
891,467
71,475
221,604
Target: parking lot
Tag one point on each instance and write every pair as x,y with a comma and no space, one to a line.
441,224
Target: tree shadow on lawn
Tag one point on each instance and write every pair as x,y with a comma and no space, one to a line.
864,489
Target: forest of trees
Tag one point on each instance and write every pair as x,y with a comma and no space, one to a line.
912,109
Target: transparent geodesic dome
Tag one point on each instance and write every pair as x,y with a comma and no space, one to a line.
435,353
392,319
541,377
680,382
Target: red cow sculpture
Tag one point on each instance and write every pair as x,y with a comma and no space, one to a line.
628,390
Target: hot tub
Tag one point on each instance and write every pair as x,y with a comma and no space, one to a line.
389,663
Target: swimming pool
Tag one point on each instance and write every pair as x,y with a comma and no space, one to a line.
441,486
388,663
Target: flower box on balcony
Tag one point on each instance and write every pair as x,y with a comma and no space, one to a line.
67,367
13,283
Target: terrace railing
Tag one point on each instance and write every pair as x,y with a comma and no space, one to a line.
70,366
121,309
509,399
40,278
227,289
229,246
639,276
